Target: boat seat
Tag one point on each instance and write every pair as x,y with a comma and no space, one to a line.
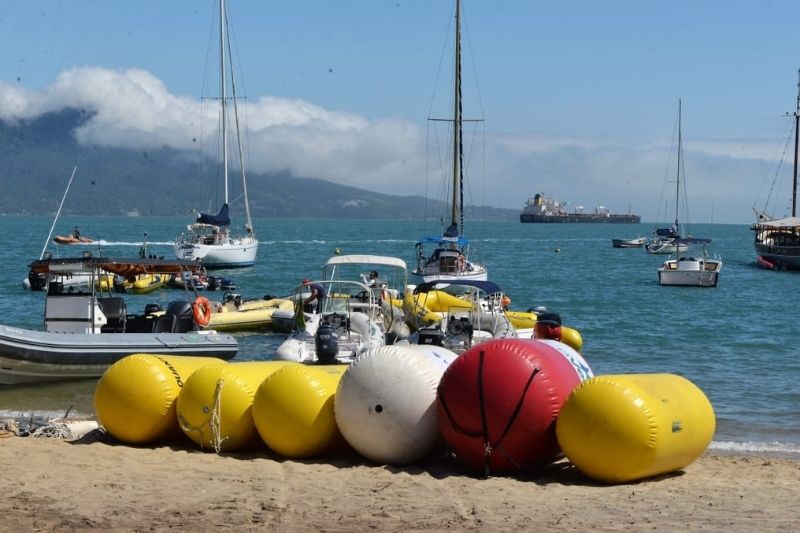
184,324
116,314
164,324
140,324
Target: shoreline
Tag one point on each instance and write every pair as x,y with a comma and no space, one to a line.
91,484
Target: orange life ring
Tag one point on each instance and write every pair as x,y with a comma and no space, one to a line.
201,310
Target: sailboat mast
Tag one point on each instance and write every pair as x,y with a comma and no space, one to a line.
796,142
223,96
456,204
680,153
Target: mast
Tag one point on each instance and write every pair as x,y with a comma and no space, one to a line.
456,209
223,101
796,134
680,150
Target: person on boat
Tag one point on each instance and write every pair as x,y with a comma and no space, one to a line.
317,295
76,233
373,278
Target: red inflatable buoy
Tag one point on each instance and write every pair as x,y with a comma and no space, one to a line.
498,402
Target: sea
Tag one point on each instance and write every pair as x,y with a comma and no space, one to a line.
737,342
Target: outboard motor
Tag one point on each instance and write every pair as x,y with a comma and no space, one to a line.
432,336
37,282
327,344
149,309
213,283
179,308
227,284
548,326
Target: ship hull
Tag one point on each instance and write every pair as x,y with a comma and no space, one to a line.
585,218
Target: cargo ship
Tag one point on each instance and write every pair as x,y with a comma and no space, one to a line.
543,209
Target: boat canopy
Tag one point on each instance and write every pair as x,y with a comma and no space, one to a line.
220,219
362,259
787,222
671,231
487,286
124,267
461,241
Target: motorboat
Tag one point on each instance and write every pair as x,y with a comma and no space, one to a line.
72,239
449,257
87,330
691,271
236,314
638,242
478,317
209,239
347,322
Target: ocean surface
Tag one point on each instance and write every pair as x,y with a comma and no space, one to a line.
737,342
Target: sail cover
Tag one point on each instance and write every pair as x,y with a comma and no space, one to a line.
220,219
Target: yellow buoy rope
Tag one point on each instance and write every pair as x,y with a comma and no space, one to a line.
213,421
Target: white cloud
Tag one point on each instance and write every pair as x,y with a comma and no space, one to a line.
134,109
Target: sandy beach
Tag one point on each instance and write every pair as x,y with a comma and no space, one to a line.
91,484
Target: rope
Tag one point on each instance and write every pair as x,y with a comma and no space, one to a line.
55,430
213,422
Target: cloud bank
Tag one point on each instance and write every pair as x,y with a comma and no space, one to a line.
134,109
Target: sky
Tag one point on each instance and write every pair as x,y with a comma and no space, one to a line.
576,99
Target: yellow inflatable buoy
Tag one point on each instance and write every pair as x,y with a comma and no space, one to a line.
571,337
619,428
214,407
293,409
135,398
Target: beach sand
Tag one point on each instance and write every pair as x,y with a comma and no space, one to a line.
54,485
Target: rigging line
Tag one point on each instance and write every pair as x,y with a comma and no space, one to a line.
472,61
58,213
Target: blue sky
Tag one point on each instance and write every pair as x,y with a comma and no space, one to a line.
579,98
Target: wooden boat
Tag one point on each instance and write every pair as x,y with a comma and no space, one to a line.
777,239
638,242
85,331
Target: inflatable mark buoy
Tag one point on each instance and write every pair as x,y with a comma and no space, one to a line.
135,398
201,311
620,428
385,403
498,402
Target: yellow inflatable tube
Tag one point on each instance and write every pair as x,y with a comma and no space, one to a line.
135,398
571,337
620,428
293,409
214,406
417,315
522,319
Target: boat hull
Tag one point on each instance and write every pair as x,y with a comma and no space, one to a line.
622,243
30,356
238,253
695,274
778,257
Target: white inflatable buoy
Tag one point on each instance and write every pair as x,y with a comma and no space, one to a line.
385,404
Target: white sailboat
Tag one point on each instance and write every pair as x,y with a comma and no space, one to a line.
209,239
450,256
668,240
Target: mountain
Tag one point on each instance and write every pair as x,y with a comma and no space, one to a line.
38,156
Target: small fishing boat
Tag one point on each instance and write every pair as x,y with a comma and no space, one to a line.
638,242
689,271
85,330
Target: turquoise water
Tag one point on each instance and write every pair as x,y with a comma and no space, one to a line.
736,342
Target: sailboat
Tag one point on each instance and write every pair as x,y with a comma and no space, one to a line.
450,256
777,240
668,240
209,239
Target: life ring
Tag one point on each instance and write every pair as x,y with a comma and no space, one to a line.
201,310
